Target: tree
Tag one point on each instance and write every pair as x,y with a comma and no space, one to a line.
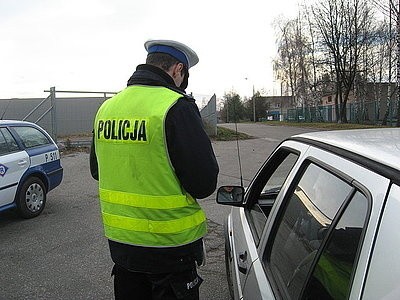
299,63
378,66
289,66
344,27
261,106
233,110
391,9
338,47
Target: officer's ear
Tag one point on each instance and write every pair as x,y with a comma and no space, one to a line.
177,69
185,74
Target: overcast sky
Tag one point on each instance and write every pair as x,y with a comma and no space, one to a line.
95,45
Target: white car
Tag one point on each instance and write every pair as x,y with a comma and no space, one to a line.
29,167
320,220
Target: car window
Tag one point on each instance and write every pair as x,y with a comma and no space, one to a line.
31,137
7,142
333,272
3,145
303,224
271,180
277,179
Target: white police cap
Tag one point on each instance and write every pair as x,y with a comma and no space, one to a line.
176,49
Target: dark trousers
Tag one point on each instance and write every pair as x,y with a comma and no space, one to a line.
165,286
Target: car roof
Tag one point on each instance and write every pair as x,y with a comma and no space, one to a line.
378,144
14,122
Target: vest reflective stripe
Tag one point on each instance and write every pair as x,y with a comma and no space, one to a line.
148,213
171,226
163,240
146,201
142,200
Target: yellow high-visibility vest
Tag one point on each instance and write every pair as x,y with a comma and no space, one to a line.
142,200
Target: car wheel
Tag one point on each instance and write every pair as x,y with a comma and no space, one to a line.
31,198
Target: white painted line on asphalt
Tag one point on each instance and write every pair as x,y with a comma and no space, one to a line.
270,139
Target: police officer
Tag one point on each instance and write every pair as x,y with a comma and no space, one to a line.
153,159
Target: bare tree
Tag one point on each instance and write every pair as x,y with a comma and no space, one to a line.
335,46
296,63
391,8
286,66
315,60
380,66
344,28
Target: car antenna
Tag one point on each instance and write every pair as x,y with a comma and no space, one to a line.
237,144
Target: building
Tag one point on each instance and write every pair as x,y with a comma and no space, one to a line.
276,107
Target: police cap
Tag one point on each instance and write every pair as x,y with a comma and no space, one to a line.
180,51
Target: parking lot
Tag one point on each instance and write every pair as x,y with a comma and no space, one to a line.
62,254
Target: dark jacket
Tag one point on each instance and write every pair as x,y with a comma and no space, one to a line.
195,165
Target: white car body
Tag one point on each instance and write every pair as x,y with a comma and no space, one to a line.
14,165
330,230
29,167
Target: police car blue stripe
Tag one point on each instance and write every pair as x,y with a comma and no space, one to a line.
40,150
51,166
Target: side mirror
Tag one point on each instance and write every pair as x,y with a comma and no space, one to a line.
230,195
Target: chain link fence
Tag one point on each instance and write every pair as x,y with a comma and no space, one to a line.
369,113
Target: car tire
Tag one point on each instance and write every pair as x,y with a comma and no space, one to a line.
31,198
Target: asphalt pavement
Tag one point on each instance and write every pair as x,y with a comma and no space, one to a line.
62,254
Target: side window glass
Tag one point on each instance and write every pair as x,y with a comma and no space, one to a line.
332,275
302,227
259,211
3,145
277,179
31,137
12,144
7,142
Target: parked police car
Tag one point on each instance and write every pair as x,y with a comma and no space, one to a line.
29,167
320,220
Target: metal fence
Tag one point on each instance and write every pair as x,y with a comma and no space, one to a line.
372,113
65,116
209,116
60,116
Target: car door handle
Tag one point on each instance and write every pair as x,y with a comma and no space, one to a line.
242,265
22,162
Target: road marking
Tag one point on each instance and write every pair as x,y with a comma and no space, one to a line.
270,139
